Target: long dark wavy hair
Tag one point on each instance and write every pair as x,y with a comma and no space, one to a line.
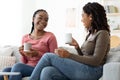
99,19
39,10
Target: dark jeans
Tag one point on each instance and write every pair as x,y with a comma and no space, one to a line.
24,70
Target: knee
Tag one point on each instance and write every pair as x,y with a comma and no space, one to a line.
8,69
49,55
47,72
17,67
51,73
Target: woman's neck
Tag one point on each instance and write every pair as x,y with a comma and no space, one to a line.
37,34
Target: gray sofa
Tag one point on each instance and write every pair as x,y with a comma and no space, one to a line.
113,56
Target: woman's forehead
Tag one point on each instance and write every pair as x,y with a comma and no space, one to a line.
42,13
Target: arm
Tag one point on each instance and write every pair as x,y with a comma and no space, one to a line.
52,43
76,45
23,58
79,51
101,49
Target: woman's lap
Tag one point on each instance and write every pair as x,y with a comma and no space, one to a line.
74,70
25,70
67,68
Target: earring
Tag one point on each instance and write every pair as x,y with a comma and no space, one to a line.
90,18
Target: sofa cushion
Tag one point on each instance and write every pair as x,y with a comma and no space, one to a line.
114,55
16,53
115,49
6,51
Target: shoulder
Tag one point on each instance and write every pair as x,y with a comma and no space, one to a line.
50,34
103,32
26,36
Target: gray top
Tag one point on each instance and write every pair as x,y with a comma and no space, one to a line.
94,49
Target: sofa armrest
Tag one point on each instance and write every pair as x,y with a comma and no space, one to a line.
111,71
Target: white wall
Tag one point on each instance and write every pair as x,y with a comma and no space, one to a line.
28,9
57,17
10,22
57,12
16,19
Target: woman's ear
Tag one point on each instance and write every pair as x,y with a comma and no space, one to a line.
90,17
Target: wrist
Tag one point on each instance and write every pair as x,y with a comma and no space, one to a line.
76,47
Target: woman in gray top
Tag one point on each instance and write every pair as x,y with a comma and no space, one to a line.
88,65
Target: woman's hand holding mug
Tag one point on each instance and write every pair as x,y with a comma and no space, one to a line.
62,52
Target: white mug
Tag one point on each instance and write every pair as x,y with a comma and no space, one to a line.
68,38
27,46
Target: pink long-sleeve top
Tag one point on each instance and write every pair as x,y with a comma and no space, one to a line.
47,43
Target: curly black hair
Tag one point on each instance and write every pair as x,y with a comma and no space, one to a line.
99,19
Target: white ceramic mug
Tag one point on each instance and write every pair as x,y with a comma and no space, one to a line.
27,46
68,38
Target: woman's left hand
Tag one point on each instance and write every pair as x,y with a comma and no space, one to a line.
31,53
62,52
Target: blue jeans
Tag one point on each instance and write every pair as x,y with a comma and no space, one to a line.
24,70
53,67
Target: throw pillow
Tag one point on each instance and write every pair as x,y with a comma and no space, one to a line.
6,61
115,49
70,49
113,57
6,51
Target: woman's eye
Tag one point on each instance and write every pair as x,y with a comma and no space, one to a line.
46,20
40,18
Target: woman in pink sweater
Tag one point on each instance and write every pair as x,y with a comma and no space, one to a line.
42,42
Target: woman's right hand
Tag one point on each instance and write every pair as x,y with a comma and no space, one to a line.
21,50
32,52
74,43
62,52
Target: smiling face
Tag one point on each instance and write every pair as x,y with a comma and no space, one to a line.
86,19
40,20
